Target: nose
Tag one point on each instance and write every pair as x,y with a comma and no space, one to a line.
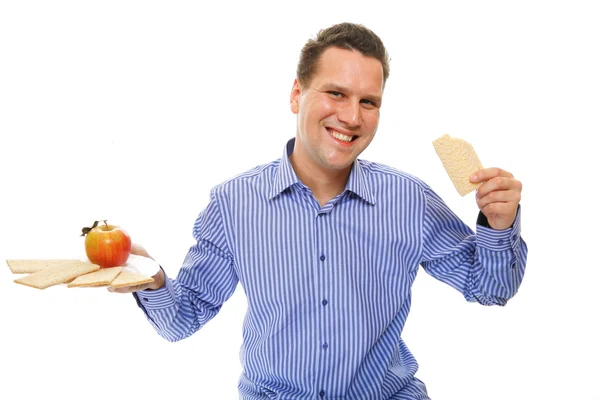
349,114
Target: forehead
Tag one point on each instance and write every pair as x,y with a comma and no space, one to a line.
351,69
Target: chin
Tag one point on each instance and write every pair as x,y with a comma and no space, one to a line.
336,161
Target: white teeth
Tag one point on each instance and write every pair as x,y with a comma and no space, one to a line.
339,136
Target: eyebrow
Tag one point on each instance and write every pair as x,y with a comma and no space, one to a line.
337,88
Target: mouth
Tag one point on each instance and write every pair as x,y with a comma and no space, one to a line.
340,137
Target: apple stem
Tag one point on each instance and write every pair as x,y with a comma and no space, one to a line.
86,230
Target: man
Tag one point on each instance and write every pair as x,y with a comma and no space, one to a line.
326,246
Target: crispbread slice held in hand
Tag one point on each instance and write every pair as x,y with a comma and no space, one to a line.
55,275
459,160
30,266
130,278
102,277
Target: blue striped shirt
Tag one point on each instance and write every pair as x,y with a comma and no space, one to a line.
329,288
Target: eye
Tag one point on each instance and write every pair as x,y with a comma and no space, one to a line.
369,103
334,93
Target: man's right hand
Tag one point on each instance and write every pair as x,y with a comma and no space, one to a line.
159,277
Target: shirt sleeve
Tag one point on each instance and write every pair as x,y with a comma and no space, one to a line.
486,266
205,281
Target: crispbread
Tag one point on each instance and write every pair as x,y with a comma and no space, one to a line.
130,278
102,277
55,275
30,266
459,160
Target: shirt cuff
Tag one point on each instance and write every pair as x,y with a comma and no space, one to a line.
157,299
498,240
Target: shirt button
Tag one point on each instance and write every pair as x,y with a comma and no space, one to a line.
322,257
324,302
145,299
322,393
325,346
501,241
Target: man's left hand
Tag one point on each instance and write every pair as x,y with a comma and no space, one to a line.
498,197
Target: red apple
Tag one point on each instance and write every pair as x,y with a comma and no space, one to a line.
107,245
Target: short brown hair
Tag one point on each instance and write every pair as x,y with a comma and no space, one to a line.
347,36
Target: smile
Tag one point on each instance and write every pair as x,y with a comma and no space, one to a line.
341,136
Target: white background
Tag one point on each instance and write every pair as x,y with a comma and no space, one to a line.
133,110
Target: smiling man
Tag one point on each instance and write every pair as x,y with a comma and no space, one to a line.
327,246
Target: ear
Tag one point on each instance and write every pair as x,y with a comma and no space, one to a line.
295,97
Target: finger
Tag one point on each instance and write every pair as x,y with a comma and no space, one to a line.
509,197
499,184
486,174
129,289
503,211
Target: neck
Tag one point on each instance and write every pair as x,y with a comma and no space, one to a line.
325,184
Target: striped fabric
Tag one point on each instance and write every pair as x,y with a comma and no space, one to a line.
329,288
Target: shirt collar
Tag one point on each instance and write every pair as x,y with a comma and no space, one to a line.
358,183
286,177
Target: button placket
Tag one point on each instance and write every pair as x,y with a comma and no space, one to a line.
320,275
323,272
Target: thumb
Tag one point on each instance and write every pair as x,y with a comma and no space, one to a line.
139,250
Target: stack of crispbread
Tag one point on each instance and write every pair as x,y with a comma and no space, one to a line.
76,273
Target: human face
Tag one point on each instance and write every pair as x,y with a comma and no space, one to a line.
338,111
